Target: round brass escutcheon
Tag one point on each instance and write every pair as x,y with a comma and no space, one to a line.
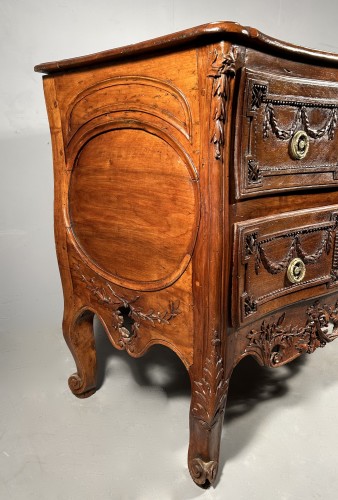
296,270
299,145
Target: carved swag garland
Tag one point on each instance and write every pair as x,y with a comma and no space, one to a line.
126,317
301,121
254,248
272,341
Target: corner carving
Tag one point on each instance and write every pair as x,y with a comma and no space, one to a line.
223,69
126,317
254,173
211,391
272,343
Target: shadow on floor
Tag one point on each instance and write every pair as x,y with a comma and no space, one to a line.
250,383
159,367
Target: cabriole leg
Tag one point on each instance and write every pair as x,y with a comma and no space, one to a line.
79,335
208,400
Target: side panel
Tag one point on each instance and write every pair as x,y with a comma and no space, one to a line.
127,196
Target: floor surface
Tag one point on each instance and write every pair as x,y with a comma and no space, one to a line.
129,440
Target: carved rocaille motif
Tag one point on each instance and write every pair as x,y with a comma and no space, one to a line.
126,318
210,392
203,471
223,67
272,341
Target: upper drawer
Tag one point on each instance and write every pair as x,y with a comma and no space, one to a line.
279,260
286,135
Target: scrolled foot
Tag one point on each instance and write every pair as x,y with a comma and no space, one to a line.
78,387
203,473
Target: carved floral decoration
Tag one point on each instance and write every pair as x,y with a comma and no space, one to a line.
223,68
126,317
274,340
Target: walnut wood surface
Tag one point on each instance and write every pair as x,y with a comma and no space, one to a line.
180,207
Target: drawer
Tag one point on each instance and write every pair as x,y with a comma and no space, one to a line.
279,260
286,135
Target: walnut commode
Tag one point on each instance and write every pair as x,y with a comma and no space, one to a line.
196,206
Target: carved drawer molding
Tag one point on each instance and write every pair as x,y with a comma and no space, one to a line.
264,258
276,109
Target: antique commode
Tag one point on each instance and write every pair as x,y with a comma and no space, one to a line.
196,206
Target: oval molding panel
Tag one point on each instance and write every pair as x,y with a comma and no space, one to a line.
134,206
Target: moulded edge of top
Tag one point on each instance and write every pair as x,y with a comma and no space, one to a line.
225,30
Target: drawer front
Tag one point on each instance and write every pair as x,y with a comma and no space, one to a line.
288,136
279,260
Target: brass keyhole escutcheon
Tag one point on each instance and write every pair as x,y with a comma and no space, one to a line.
299,145
296,270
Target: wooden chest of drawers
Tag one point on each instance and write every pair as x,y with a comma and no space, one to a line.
196,206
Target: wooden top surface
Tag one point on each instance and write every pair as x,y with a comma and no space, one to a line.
205,33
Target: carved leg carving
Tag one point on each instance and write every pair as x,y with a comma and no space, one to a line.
79,335
209,393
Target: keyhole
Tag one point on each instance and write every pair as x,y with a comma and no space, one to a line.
126,327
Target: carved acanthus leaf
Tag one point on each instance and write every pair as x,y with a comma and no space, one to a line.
209,393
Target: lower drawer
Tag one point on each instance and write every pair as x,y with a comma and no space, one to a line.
279,260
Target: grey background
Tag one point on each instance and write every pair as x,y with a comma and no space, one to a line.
129,441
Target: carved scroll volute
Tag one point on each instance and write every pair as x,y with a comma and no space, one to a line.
223,69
